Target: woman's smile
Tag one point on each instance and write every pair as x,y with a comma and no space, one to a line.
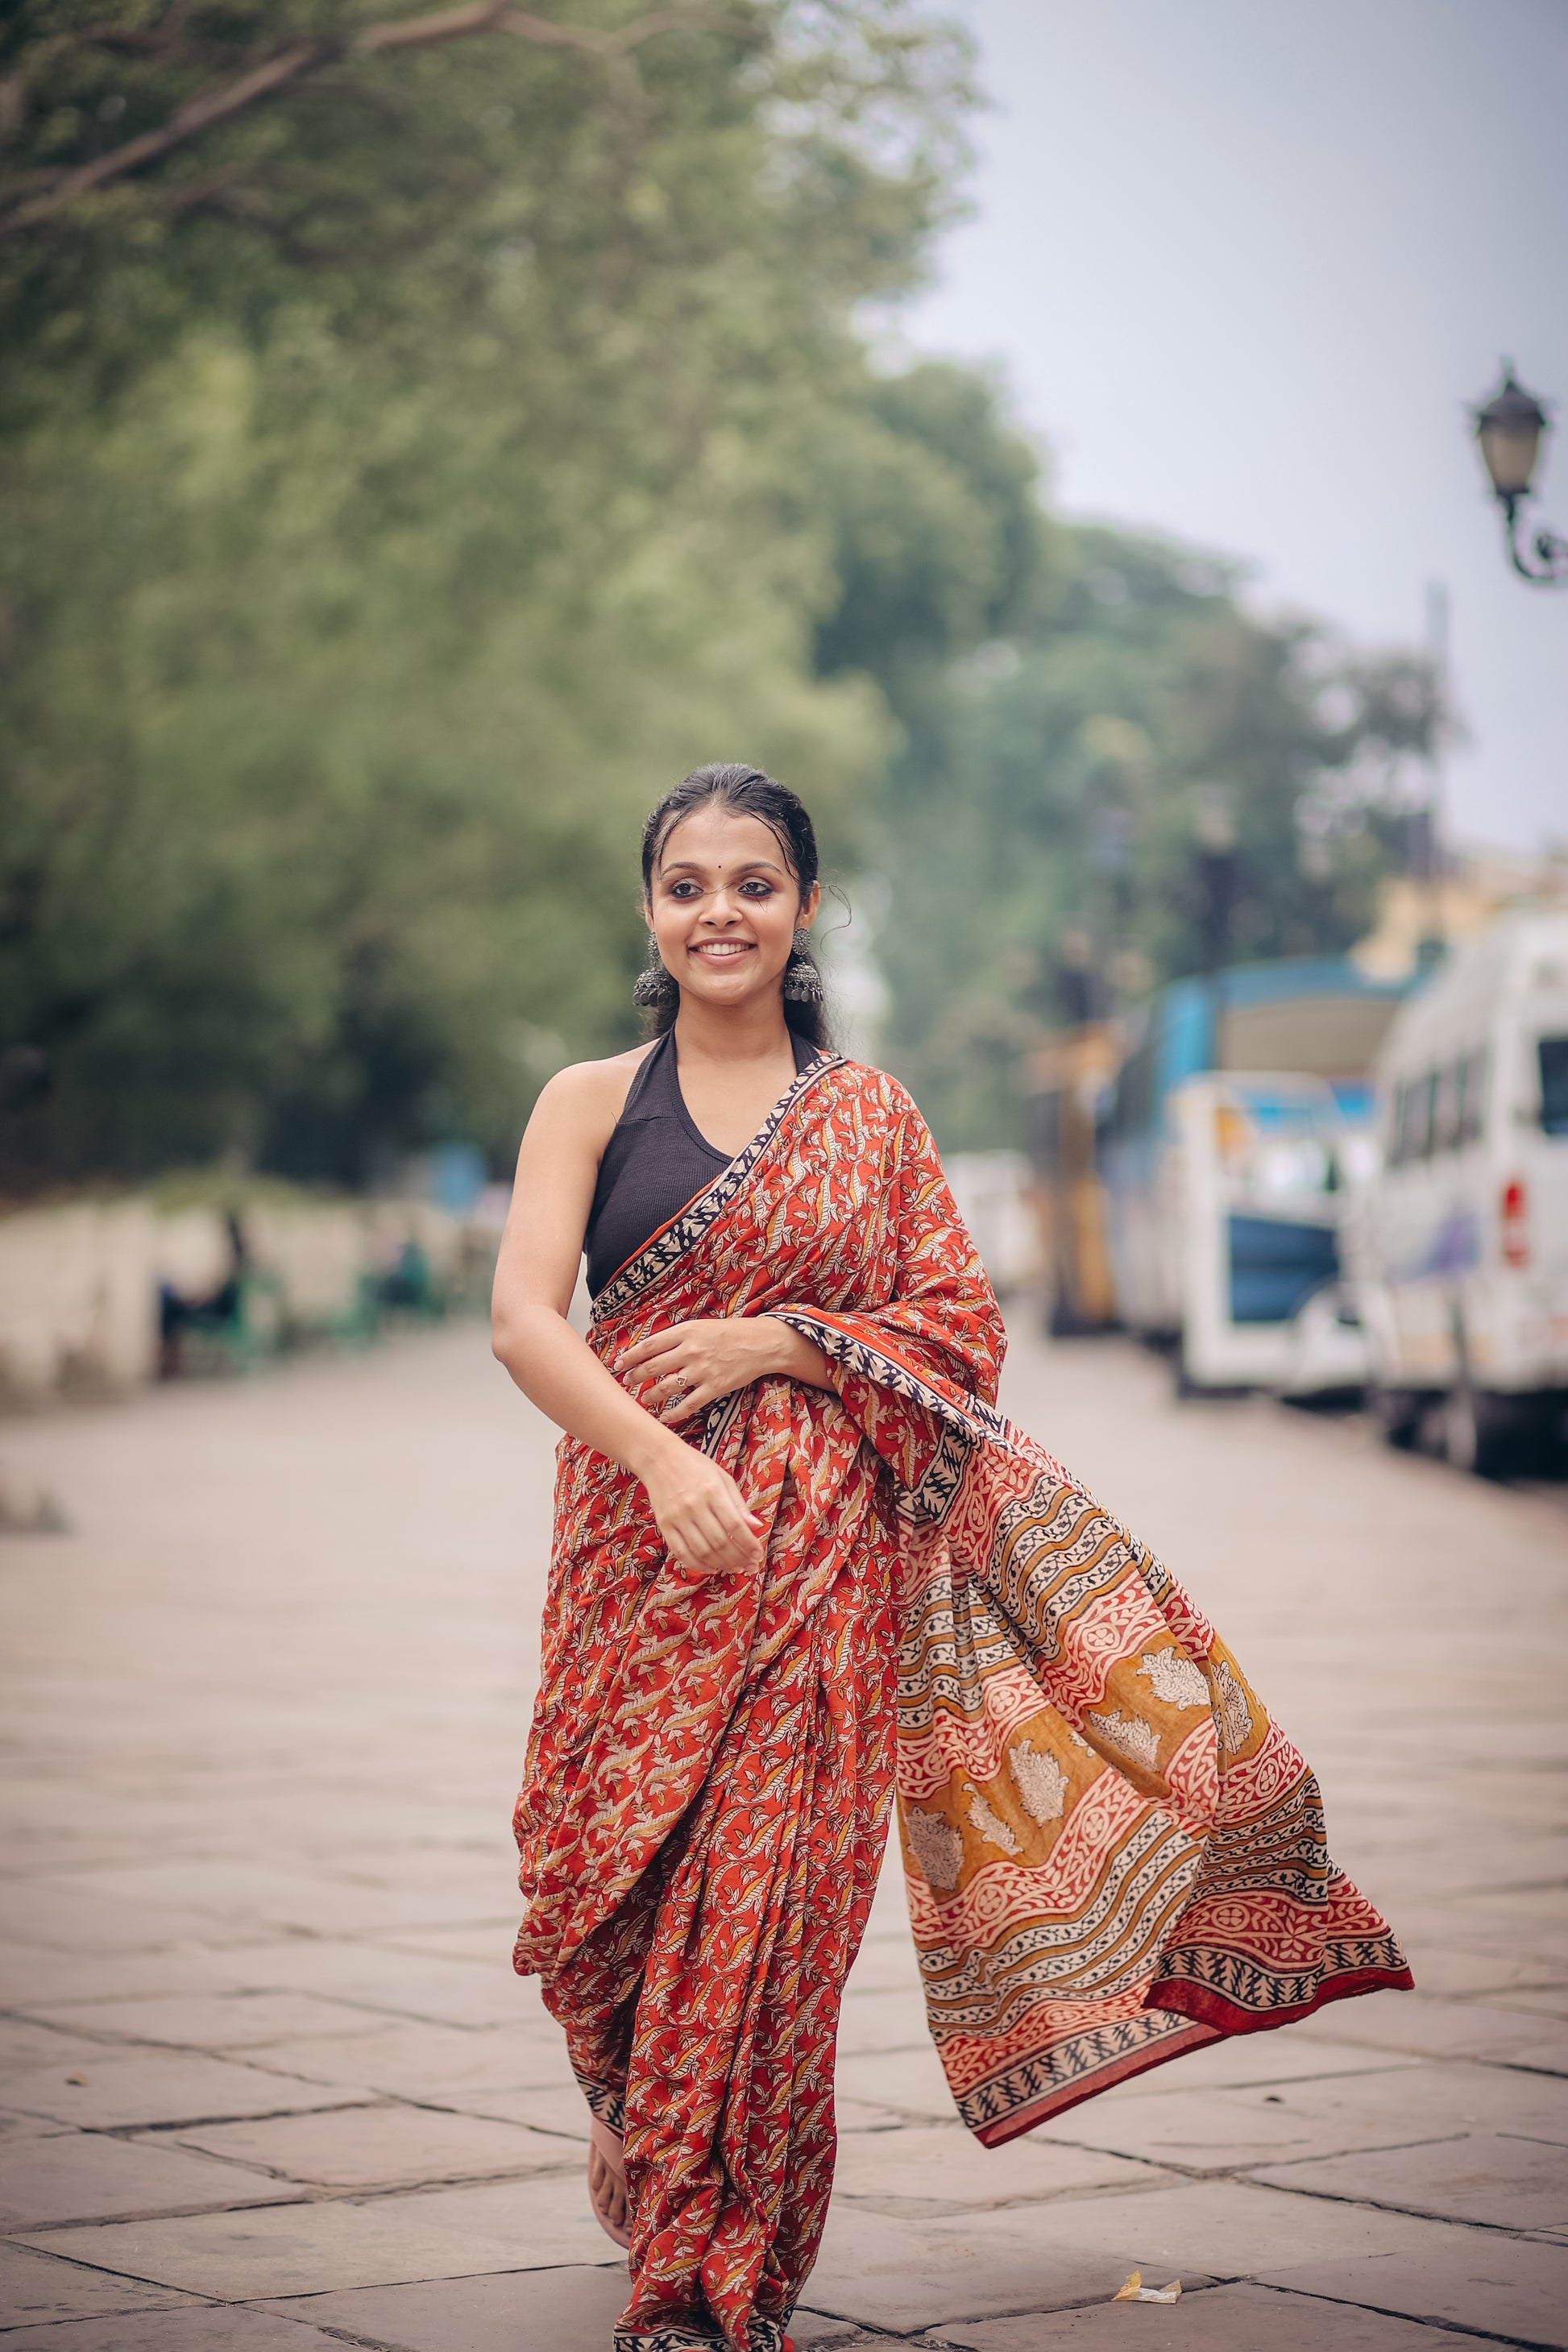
722,950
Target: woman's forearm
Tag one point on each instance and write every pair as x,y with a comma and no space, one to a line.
797,1356
557,1370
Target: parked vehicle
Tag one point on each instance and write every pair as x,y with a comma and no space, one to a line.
1253,1178
1240,1116
992,1190
1461,1258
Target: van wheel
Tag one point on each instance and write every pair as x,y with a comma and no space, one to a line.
1478,1431
1397,1413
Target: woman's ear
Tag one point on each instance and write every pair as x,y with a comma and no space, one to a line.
809,904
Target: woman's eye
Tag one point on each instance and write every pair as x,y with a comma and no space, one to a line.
684,890
757,889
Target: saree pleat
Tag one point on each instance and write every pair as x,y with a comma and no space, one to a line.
1111,1852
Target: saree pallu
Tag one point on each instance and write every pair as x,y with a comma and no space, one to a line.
1111,1852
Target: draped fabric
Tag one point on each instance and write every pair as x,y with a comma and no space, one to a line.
1111,1852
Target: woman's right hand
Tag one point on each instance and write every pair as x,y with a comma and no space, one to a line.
702,1513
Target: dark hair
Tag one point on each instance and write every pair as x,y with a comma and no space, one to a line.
749,793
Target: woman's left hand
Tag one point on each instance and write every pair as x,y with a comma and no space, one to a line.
680,1372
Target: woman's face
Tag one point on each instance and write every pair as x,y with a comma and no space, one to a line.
724,905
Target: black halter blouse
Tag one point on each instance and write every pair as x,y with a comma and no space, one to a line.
654,1162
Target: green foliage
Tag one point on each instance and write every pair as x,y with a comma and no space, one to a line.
1045,847
938,541
421,440
373,561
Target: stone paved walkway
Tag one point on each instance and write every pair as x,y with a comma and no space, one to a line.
270,2084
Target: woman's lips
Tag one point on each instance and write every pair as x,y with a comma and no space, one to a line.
724,951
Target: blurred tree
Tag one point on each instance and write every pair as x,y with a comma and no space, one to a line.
406,476
939,540
423,435
1048,817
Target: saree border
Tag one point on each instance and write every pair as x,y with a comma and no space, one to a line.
928,1502
1017,2100
682,1231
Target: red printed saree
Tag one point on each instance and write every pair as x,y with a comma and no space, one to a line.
1111,1852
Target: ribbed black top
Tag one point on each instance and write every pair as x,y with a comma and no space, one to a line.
654,1162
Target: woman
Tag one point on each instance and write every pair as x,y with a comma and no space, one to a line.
796,1547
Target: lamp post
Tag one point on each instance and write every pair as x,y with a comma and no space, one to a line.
1509,427
1214,839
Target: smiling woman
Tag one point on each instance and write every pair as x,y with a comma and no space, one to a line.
784,1499
688,874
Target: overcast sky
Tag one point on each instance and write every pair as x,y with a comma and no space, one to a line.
1244,262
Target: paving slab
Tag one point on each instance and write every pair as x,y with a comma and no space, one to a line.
1446,1971
72,1919
907,2275
395,1508
211,2328
26,2047
488,1945
1513,2288
1499,2182
925,2170
386,2147
36,2287
860,2115
1452,2029
216,2022
244,1894
881,2021
885,1963
910,2081
571,2309
53,2176
158,2087
813,2331
384,2240
1241,2059
411,2059
32,1973
1530,1910
1218,2131
904,2275
562,2111
1549,2002
1216,2319
377,1977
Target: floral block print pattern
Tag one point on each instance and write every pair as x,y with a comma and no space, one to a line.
1111,1852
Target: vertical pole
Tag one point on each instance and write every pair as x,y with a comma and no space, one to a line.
1433,940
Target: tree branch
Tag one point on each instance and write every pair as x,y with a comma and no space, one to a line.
214,106
293,65
488,15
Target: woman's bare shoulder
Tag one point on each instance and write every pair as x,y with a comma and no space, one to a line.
585,1099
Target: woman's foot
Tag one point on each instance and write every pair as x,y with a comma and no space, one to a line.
607,2183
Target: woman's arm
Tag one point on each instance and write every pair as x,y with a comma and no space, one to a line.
680,1370
701,1513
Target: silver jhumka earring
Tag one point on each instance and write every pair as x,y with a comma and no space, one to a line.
802,980
654,983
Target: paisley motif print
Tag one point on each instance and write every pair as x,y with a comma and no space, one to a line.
1111,1852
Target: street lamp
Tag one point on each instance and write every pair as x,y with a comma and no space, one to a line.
1509,427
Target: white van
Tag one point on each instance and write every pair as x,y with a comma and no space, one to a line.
1461,1257
992,1190
1254,1181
